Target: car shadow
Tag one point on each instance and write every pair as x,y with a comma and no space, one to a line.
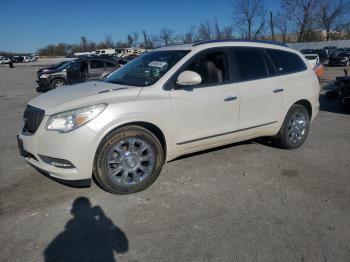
89,236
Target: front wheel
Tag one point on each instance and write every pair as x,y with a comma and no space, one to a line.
128,160
56,83
295,128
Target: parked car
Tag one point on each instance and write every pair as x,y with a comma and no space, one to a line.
166,103
51,68
341,59
313,59
5,60
26,59
322,54
331,49
307,51
33,58
342,93
18,59
76,71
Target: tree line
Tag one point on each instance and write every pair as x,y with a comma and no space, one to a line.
294,21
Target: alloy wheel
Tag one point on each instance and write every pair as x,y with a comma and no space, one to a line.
130,161
297,127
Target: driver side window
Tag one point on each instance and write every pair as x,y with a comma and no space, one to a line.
212,67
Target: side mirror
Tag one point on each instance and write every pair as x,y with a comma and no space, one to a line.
188,78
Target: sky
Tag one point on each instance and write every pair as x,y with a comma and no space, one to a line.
28,25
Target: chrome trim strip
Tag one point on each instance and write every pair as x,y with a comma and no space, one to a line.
227,133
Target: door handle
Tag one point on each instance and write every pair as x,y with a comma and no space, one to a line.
230,98
278,90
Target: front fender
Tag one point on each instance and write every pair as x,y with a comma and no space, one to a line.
122,120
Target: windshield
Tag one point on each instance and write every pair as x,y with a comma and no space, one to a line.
63,65
147,68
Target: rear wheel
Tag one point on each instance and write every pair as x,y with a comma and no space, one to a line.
56,83
128,160
295,128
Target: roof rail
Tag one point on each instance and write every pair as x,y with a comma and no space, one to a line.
240,40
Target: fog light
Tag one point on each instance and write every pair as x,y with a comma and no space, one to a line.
57,162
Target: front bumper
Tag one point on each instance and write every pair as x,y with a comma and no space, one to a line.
77,146
43,82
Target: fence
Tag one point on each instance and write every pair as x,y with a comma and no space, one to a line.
320,45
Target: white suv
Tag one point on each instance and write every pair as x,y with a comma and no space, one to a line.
169,102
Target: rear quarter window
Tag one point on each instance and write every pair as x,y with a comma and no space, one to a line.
286,62
110,64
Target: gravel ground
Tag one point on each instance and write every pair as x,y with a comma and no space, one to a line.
243,202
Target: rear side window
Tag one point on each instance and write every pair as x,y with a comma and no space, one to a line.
286,62
110,64
250,63
269,65
96,64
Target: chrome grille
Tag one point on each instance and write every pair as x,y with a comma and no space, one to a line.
32,118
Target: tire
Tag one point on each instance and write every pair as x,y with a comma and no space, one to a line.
121,168
295,128
58,82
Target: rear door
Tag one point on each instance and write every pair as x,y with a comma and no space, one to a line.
96,69
261,94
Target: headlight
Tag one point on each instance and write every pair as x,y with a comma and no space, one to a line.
70,120
44,76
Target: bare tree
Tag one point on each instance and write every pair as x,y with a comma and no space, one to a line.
166,36
147,43
227,32
282,26
217,30
333,15
188,37
272,26
304,13
130,40
249,15
205,31
135,35
83,46
108,42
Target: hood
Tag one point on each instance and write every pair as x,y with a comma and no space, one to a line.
84,94
47,71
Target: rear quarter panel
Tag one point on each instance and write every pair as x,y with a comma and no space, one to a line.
302,86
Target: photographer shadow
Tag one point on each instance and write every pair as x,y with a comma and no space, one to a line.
89,236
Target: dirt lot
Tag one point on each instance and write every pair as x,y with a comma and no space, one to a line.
243,202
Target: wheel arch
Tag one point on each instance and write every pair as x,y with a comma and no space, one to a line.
154,129
58,78
306,104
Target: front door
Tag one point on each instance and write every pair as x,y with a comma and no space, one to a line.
74,74
207,112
